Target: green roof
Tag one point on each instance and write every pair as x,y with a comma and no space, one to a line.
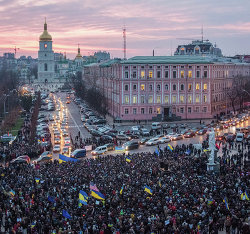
182,59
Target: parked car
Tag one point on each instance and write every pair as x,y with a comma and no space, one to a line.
65,150
177,137
78,153
143,141
164,139
122,137
130,145
100,150
144,132
153,141
156,125
43,159
189,134
106,138
110,146
56,148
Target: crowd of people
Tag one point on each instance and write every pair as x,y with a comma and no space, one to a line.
184,197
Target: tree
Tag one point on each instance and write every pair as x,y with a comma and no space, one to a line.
26,102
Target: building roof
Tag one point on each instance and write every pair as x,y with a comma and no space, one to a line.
182,59
45,36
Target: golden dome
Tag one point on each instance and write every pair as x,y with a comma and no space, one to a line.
45,36
79,54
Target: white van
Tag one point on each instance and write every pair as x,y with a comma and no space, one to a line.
156,125
100,150
239,137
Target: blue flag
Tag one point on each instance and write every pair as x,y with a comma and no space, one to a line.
51,199
157,152
66,214
63,158
83,197
188,152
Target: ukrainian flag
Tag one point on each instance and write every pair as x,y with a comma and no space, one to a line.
170,147
210,202
12,192
148,190
128,159
97,195
33,224
119,149
226,204
37,180
121,190
83,197
63,158
242,196
246,195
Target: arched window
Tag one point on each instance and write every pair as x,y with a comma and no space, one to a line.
166,87
174,87
158,87
182,86
45,67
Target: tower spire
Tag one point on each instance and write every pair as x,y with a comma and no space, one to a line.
45,24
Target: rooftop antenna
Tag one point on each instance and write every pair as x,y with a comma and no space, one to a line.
124,42
171,47
202,33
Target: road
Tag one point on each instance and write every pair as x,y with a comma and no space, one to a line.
75,125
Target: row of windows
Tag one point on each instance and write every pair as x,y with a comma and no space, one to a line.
166,99
158,87
158,110
158,67
166,74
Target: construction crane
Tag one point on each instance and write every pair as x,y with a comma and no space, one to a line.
187,39
15,49
124,43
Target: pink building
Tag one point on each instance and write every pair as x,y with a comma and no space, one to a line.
144,87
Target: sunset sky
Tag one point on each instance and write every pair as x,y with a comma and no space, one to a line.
97,25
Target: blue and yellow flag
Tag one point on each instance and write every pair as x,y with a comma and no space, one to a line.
119,149
226,204
121,190
37,180
246,195
209,201
148,190
170,147
128,159
97,195
33,224
12,192
63,158
83,197
157,152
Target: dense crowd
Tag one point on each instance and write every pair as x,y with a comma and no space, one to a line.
185,198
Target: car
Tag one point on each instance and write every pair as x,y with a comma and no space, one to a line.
202,131
220,138
135,128
143,141
156,125
57,135
130,145
57,140
65,150
153,141
165,126
99,150
83,119
189,134
78,153
122,137
239,137
65,133
66,140
21,159
106,138
46,153
56,148
43,159
177,137
144,132
164,139
110,146
225,126
68,145
68,102
134,136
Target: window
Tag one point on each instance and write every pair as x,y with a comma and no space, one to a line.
166,99
142,87
182,87
142,74
205,74
142,110
205,86
150,67
142,66
134,111
166,74
189,110
134,99
197,98
134,74
189,98
189,87
126,111
150,87
142,99
134,67
158,100
150,110
150,99
181,98
190,74
166,87
190,67
166,66
158,67
45,67
158,110
126,87
158,74
174,74
150,74
197,74
158,87
204,109
126,67
205,98
134,87
174,87
197,109
174,99
182,74
182,110
126,74
126,99
197,87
